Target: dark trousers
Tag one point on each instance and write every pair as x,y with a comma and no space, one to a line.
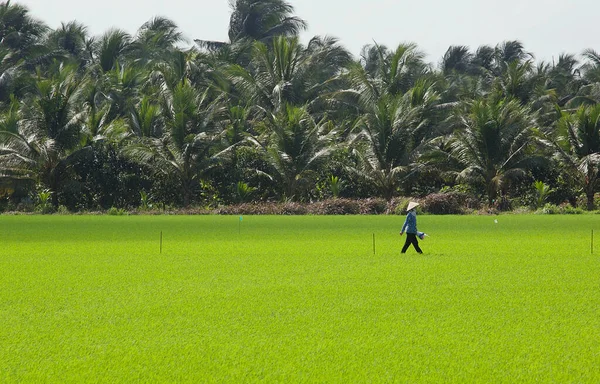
411,238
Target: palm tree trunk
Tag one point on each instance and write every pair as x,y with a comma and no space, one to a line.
590,183
590,201
491,192
186,197
589,192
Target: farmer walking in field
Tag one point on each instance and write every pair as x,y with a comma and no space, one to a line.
410,226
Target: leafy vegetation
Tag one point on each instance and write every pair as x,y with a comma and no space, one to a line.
125,121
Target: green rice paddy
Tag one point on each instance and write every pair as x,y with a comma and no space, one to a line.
298,299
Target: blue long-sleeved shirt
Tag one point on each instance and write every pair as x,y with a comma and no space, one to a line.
410,224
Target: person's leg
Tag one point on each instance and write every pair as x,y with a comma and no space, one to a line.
415,243
406,243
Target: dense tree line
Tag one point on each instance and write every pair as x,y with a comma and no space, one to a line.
93,122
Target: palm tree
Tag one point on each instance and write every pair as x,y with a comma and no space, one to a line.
491,143
72,39
577,145
517,81
385,145
491,63
510,51
295,145
466,76
19,32
457,59
395,100
155,41
251,21
288,73
111,48
146,118
384,72
586,83
591,68
21,45
120,87
564,77
185,152
262,20
48,133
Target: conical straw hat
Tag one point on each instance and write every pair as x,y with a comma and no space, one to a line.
412,205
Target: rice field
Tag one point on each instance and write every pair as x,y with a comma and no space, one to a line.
299,299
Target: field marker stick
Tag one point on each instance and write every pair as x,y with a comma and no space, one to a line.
160,241
373,243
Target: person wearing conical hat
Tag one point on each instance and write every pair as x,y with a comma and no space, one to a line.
410,227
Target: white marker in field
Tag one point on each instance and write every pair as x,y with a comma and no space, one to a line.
496,221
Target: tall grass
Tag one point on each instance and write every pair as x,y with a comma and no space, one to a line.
299,298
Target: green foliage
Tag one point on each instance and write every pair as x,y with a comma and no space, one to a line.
542,193
43,202
208,194
244,191
116,211
551,209
335,185
145,203
97,120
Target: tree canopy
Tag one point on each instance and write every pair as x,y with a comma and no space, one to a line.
121,120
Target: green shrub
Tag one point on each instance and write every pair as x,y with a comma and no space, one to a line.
43,202
564,209
335,185
116,211
542,191
549,209
570,210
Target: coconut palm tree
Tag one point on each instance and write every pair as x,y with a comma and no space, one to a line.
510,51
385,145
564,77
121,88
458,59
576,145
21,44
155,41
517,81
491,142
295,146
48,134
387,72
19,32
185,151
72,39
288,73
263,20
251,21
585,85
395,100
591,68
111,48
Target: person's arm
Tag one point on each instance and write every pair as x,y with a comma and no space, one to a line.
405,225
